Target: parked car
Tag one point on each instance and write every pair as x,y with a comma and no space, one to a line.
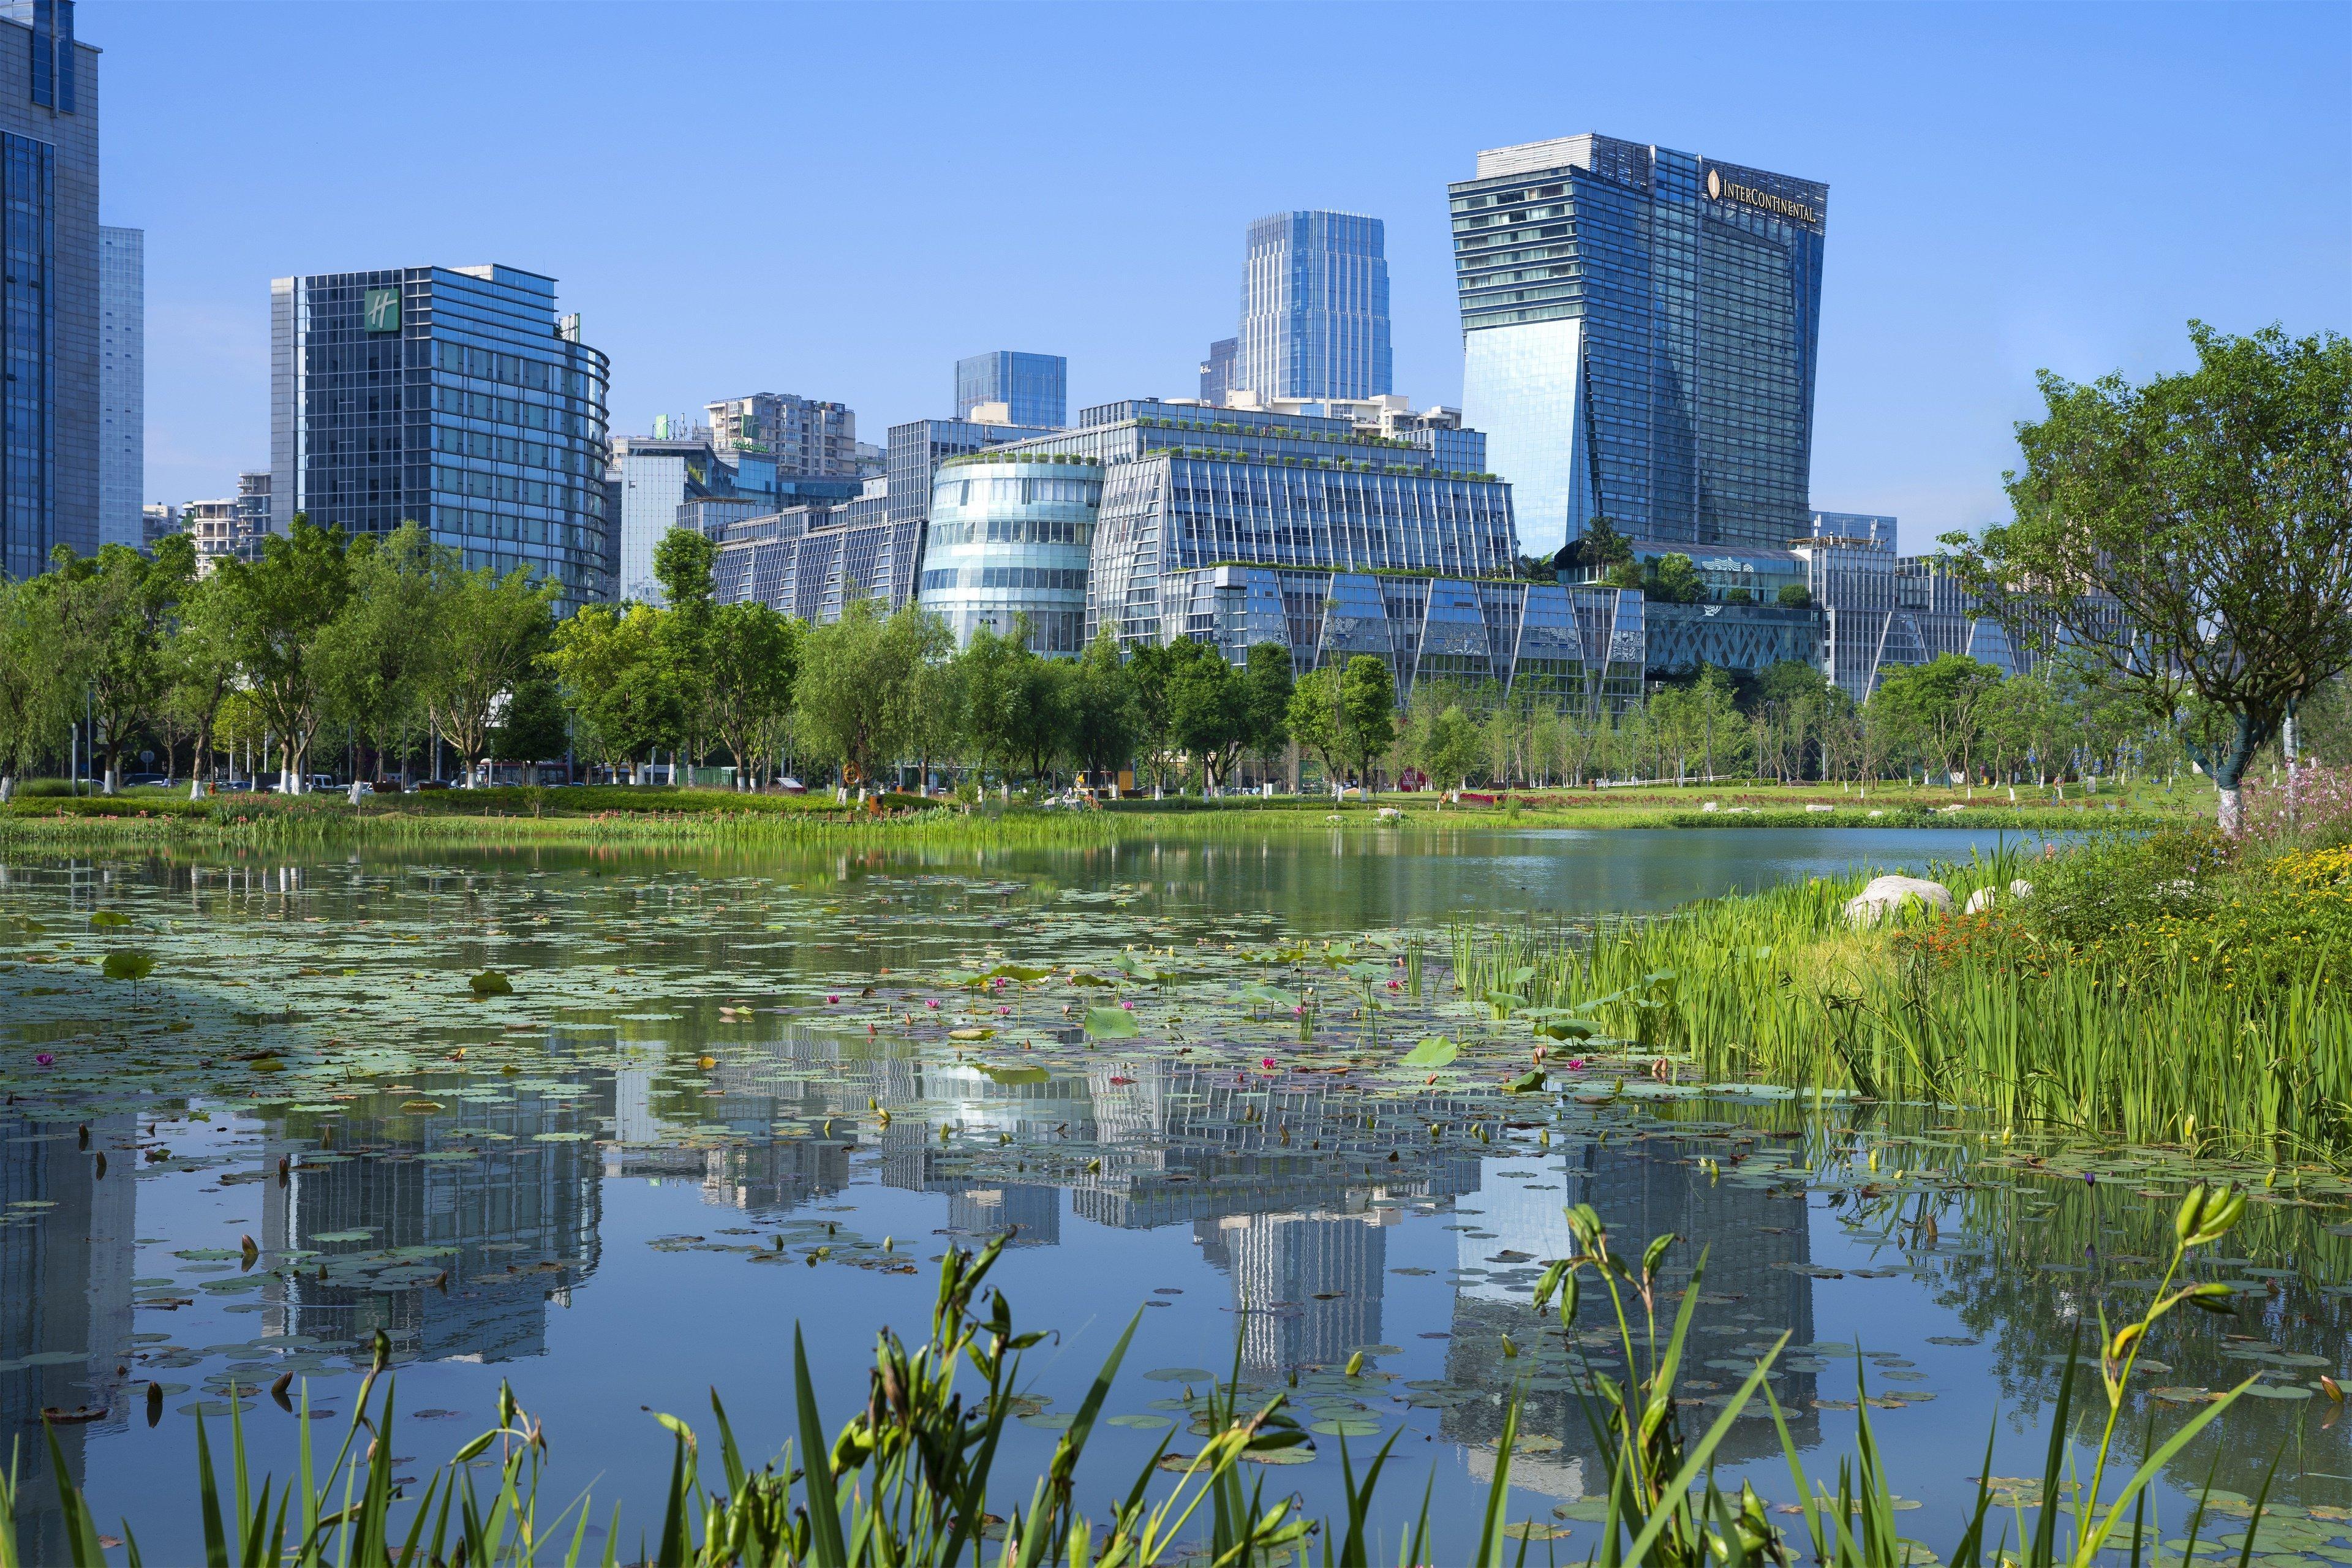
135,781
424,785
386,786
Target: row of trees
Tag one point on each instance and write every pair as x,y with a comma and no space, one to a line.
382,644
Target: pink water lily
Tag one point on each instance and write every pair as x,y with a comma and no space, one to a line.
930,1004
1128,1005
45,1059
1268,1062
1575,1063
832,998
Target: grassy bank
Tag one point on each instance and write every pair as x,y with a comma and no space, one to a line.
661,814
2165,988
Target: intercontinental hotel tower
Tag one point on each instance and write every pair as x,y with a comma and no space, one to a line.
1639,332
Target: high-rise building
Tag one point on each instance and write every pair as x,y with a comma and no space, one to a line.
810,560
1640,328
1007,543
121,385
157,521
1217,371
49,307
1034,388
1314,308
450,396
919,447
801,434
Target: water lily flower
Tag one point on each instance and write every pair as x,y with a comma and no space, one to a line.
1299,1011
45,1059
832,998
1128,1005
1575,1063
1396,984
1268,1062
930,1004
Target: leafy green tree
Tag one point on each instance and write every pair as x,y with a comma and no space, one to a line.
377,657
1796,595
613,666
1454,748
32,709
854,691
992,687
1366,713
1314,720
754,658
1149,670
115,614
1674,579
532,726
1266,682
683,561
1603,546
1102,708
936,709
2193,534
1208,709
280,608
1938,707
493,631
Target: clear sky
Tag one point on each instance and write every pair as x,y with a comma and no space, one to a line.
841,200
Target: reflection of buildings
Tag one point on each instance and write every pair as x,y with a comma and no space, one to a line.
515,1224
1641,1193
65,1290
1307,1285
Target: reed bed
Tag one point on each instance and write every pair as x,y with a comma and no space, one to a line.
2242,1043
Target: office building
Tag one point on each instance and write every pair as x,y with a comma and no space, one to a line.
665,481
801,435
226,529
1034,389
1007,544
157,519
1185,487
1640,328
49,311
810,560
451,396
121,385
919,447
1314,308
1217,371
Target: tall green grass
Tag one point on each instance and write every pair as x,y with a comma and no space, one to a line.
1776,987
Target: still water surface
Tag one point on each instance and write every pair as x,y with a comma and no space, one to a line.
625,1183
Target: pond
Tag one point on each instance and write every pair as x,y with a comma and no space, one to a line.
610,1124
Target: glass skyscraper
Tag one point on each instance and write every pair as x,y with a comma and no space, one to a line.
1314,308
122,385
1034,388
1640,328
49,438
450,396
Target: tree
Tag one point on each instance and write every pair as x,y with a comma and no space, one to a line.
1366,712
853,694
1938,706
31,710
1208,709
377,657
683,561
613,667
1673,579
279,608
935,699
1102,706
754,658
1266,682
115,612
200,671
531,728
1603,546
1796,595
1314,720
1147,669
1452,750
991,684
2192,535
493,631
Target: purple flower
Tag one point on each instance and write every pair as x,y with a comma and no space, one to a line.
831,998
1128,1005
45,1059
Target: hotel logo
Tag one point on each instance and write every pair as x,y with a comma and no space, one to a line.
1722,190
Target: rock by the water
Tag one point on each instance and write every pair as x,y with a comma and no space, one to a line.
1886,895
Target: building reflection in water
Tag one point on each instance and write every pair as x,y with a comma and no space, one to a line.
503,1190
66,1273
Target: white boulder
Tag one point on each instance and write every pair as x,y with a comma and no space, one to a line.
1887,895
2021,889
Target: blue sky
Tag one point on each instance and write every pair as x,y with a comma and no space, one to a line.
841,200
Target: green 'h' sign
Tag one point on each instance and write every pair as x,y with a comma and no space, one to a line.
380,308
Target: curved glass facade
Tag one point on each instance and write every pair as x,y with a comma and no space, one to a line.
1008,539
